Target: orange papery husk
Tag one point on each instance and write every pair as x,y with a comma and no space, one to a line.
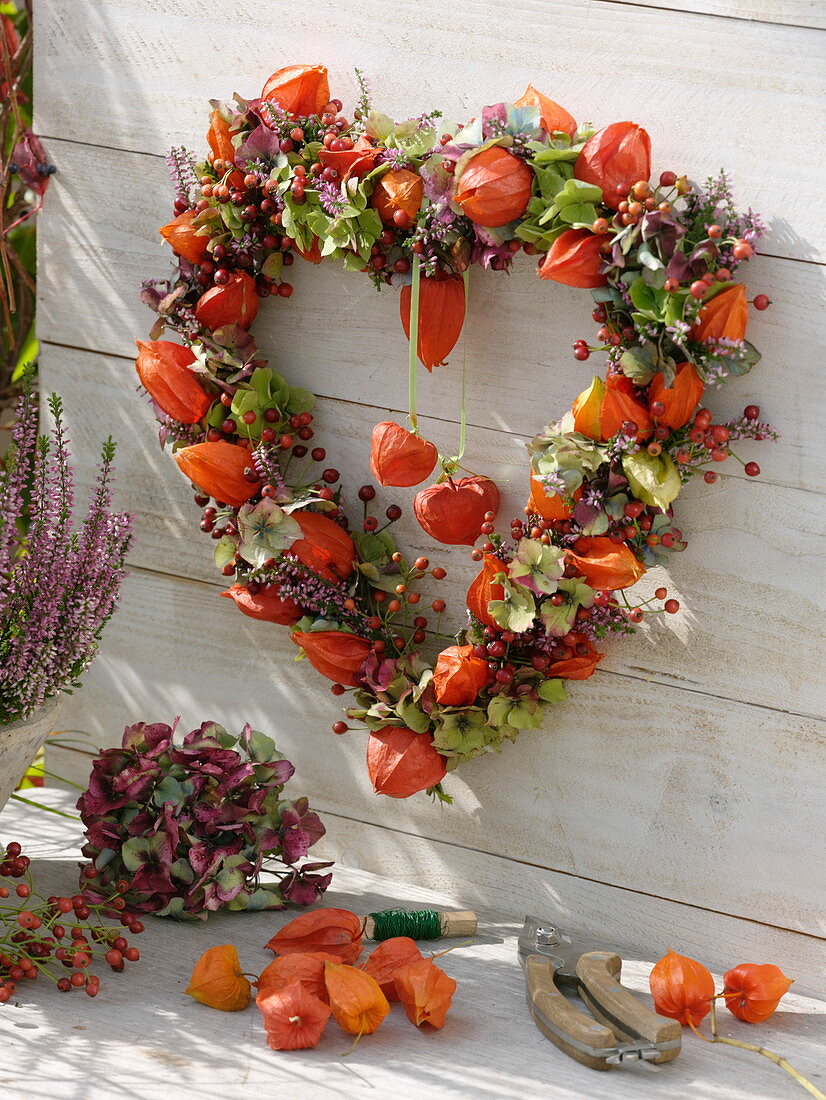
453,511
299,89
575,668
425,992
234,303
753,990
219,137
459,676
218,981
723,317
398,190
682,989
355,162
336,654
312,254
265,604
605,564
483,589
335,932
218,470
494,188
574,259
621,404
165,372
325,547
441,316
358,1004
554,119
387,959
185,239
294,1018
681,398
399,457
615,158
401,763
550,506
306,967
587,408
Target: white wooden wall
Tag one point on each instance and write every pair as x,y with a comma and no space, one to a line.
675,800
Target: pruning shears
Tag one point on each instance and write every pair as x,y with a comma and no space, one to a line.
621,1029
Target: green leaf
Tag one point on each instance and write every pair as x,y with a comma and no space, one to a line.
738,366
654,479
518,608
224,552
552,691
639,364
27,355
649,301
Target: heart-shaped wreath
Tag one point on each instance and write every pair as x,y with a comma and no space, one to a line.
417,203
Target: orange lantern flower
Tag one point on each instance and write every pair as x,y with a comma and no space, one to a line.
335,654
579,667
453,512
355,162
358,1004
620,405
299,89
306,967
681,398
325,548
615,158
441,316
723,317
425,992
459,676
587,409
398,191
554,119
218,470
234,303
335,932
265,604
387,959
164,371
313,253
574,259
604,564
483,589
547,505
401,762
186,239
495,187
294,1018
682,989
219,137
753,990
218,981
399,457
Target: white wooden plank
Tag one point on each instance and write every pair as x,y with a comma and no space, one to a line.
726,642
98,241
709,91
795,13
163,1044
663,791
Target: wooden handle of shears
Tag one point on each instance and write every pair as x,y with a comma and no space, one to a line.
599,971
576,1034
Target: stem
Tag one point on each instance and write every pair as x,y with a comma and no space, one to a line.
413,357
778,1059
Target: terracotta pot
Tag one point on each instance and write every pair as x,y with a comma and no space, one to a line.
19,743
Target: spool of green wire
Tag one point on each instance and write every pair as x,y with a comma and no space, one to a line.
418,924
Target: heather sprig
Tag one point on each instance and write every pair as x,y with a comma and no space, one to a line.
59,582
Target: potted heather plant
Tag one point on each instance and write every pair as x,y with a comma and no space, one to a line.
59,581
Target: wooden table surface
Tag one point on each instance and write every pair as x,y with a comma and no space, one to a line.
142,1038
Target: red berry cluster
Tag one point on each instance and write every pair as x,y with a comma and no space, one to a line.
56,934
